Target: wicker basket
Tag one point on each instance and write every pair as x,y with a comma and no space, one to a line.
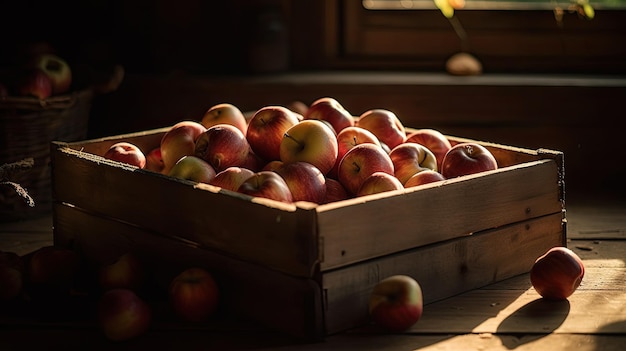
27,126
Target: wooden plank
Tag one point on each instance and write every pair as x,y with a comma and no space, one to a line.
277,300
466,263
519,311
252,229
359,229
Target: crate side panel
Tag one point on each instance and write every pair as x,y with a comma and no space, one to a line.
280,301
455,208
282,238
443,269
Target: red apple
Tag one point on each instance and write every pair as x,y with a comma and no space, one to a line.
222,146
53,269
225,113
379,182
411,158
11,275
266,129
231,178
434,140
467,158
267,184
34,83
557,274
125,271
273,165
349,137
122,314
384,124
253,162
194,294
126,152
154,161
305,181
310,141
330,110
193,168
335,191
359,163
396,303
57,70
424,177
179,141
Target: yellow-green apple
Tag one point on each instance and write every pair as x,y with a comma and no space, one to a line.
330,110
193,168
396,303
305,181
359,163
194,294
556,274
34,83
154,161
179,141
231,178
379,182
433,139
349,137
125,271
126,152
11,275
224,113
467,158
335,191
411,158
310,141
266,129
222,146
57,69
122,314
267,184
424,177
384,124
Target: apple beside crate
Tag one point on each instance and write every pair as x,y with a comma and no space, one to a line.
305,269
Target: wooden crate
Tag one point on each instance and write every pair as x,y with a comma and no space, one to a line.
306,269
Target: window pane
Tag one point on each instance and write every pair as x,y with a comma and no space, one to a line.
488,4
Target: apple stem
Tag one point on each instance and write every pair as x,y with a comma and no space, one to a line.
295,140
356,165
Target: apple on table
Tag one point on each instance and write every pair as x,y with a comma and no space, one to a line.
194,294
396,303
557,274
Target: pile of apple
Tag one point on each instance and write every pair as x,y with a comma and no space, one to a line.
122,293
41,75
320,155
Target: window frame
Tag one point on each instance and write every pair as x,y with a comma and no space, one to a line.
515,41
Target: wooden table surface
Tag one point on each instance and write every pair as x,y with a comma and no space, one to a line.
503,316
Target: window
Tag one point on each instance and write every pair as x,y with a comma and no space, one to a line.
511,41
